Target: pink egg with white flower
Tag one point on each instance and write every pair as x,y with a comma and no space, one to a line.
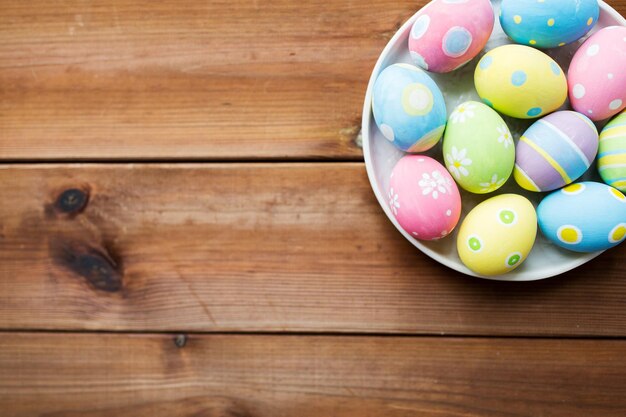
447,34
596,76
424,198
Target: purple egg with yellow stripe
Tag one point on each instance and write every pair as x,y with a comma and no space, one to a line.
555,151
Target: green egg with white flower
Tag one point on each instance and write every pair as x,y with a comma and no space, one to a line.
478,148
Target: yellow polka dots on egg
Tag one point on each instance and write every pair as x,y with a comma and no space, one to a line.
618,233
550,22
569,234
590,21
617,194
562,43
573,189
532,42
517,19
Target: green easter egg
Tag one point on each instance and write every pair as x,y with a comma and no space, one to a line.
478,148
612,153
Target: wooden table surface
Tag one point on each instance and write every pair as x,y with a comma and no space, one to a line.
187,229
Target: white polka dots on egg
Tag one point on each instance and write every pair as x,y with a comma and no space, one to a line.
610,76
387,132
449,213
579,91
615,104
593,50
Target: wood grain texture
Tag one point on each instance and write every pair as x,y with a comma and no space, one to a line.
255,247
68,375
136,79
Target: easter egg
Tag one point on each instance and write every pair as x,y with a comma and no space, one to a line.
478,148
408,108
555,151
423,197
520,81
448,33
584,217
497,235
612,153
548,24
596,76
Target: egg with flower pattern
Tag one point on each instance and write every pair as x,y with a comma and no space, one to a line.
447,34
497,235
548,24
423,197
408,108
520,81
478,148
584,217
555,151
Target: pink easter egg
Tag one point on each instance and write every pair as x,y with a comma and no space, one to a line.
449,33
596,76
423,197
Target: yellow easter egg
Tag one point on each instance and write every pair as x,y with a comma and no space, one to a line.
520,81
497,235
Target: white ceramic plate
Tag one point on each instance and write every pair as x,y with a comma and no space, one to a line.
546,259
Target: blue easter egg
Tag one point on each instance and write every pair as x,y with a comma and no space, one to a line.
584,217
408,108
548,23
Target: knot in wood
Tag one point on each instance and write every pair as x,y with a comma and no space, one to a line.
72,201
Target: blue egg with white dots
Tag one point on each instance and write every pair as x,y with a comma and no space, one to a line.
408,108
548,23
584,217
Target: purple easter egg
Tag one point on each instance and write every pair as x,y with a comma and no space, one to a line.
555,151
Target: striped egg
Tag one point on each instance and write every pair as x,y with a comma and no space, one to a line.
555,151
612,153
584,217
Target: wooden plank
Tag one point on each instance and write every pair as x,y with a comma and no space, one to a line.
255,247
95,375
133,79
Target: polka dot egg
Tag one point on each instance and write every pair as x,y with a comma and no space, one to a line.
548,24
596,76
449,33
478,148
497,235
584,217
408,108
423,197
520,81
612,153
555,151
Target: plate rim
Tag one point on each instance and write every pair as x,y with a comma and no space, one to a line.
365,131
